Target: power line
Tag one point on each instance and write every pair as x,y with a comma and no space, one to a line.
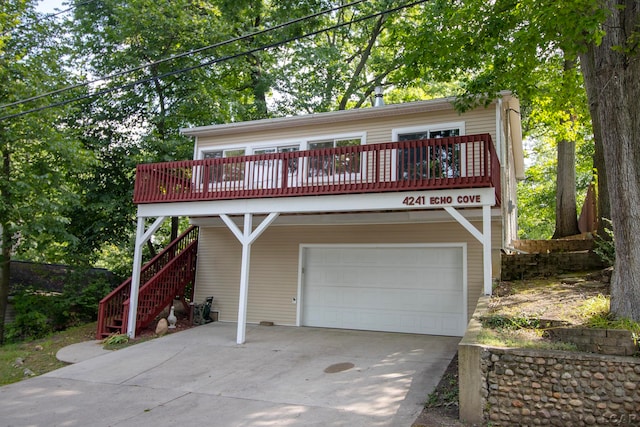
180,55
46,17
214,61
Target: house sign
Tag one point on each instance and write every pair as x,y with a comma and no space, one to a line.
455,198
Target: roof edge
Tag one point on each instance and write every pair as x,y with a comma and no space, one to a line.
324,118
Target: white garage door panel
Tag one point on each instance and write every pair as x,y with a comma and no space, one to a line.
391,288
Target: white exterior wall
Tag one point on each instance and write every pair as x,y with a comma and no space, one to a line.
375,130
274,275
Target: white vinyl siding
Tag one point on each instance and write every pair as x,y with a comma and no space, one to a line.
378,130
275,262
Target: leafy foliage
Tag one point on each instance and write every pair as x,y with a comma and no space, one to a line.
39,313
537,192
605,246
497,321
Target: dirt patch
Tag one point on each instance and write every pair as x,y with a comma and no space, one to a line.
558,299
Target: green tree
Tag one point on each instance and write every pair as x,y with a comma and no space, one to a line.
510,43
610,63
38,162
340,68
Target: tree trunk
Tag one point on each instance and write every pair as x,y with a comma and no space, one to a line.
602,199
612,78
566,211
5,264
5,237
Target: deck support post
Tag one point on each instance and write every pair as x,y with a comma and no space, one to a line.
246,236
486,249
141,239
483,237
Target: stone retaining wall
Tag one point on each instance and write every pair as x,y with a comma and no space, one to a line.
553,245
560,388
527,387
524,266
617,342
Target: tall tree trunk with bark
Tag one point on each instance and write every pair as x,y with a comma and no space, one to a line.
612,79
603,205
5,236
566,211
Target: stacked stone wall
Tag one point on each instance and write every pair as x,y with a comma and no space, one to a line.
531,388
618,342
525,266
556,245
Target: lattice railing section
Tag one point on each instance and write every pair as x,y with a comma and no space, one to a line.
162,279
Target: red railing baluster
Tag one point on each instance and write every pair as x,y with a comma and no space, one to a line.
452,162
154,276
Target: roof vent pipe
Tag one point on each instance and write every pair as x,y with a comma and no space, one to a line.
379,100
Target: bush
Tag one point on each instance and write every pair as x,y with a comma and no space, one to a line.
79,301
31,325
39,313
605,246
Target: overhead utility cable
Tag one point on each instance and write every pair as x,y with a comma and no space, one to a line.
211,62
46,17
181,55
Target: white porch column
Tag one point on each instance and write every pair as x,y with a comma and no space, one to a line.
246,237
483,237
486,249
141,239
244,279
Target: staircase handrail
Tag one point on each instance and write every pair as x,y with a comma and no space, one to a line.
163,287
112,306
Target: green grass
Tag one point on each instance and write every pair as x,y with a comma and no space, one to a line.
39,356
520,339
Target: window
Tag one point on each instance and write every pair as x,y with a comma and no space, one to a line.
344,162
233,171
435,161
292,163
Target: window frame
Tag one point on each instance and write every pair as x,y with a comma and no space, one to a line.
396,133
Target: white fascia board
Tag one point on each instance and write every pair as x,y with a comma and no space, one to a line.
330,117
411,200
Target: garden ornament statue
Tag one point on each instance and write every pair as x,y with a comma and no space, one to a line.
172,319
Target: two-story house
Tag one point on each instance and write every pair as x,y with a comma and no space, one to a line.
389,218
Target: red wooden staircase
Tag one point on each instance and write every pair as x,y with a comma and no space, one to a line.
162,279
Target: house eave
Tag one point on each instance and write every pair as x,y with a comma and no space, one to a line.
426,199
331,117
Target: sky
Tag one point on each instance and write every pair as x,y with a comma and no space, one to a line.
50,6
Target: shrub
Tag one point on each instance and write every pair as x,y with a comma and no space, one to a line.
31,325
605,246
79,301
40,313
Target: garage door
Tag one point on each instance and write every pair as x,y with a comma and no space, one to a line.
413,289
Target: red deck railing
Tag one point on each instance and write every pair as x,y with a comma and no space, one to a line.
161,279
442,163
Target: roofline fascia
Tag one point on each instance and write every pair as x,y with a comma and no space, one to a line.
324,118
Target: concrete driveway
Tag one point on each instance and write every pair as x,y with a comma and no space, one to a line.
282,376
